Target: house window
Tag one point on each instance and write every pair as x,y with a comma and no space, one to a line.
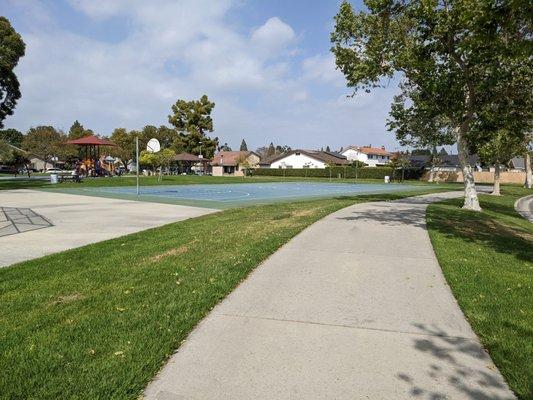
297,153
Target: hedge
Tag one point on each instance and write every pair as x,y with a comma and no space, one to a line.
340,172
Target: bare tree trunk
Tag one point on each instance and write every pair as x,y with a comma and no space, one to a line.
471,200
496,187
529,173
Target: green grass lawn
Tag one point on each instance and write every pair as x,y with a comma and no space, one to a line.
98,322
487,259
182,180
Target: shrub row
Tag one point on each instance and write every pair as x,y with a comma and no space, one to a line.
341,172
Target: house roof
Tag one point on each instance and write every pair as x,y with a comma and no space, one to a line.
447,160
328,157
517,163
230,158
91,141
187,157
376,151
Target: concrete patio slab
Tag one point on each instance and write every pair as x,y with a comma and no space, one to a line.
78,220
355,307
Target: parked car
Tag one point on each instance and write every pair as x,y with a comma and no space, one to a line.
7,169
53,170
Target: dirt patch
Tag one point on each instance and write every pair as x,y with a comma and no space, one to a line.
169,253
303,213
68,298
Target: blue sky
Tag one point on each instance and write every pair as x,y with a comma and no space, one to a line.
123,63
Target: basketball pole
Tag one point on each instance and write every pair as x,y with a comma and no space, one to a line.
137,161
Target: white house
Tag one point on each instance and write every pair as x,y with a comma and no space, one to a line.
371,156
305,159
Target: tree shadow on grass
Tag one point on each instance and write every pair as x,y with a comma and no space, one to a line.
453,222
482,229
457,367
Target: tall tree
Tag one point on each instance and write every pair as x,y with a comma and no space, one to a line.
12,48
455,57
11,136
244,146
45,142
192,119
77,131
125,145
328,149
271,149
224,147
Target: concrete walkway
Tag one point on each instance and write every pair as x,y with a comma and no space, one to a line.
355,307
74,221
524,207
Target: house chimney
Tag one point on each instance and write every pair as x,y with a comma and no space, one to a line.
382,147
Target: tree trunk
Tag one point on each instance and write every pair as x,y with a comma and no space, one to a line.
471,200
496,187
529,172
431,175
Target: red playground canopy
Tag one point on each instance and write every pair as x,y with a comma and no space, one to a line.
91,141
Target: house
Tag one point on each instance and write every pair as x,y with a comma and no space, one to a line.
234,162
371,156
517,164
305,159
444,162
37,164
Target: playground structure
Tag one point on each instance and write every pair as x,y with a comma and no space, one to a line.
91,164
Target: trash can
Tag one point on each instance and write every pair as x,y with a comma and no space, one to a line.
53,178
387,179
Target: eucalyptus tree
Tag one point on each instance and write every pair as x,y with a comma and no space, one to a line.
453,59
12,48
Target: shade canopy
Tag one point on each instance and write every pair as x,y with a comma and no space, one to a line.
187,157
91,141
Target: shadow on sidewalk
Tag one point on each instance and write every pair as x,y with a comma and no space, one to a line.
453,358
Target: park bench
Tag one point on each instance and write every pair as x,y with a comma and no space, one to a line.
68,177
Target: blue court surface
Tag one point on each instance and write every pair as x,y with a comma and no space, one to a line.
235,194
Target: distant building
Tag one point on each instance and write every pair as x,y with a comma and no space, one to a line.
304,159
371,156
517,164
445,162
233,162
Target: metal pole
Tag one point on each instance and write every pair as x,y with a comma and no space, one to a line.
137,161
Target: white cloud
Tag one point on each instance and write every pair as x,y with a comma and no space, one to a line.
182,49
272,37
322,68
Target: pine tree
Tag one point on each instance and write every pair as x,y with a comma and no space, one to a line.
244,146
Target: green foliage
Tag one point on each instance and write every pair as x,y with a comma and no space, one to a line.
77,131
192,119
244,146
343,172
11,136
465,68
45,142
125,141
12,48
500,148
421,152
224,147
160,159
358,164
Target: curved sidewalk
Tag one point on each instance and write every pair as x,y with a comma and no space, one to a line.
354,307
524,207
